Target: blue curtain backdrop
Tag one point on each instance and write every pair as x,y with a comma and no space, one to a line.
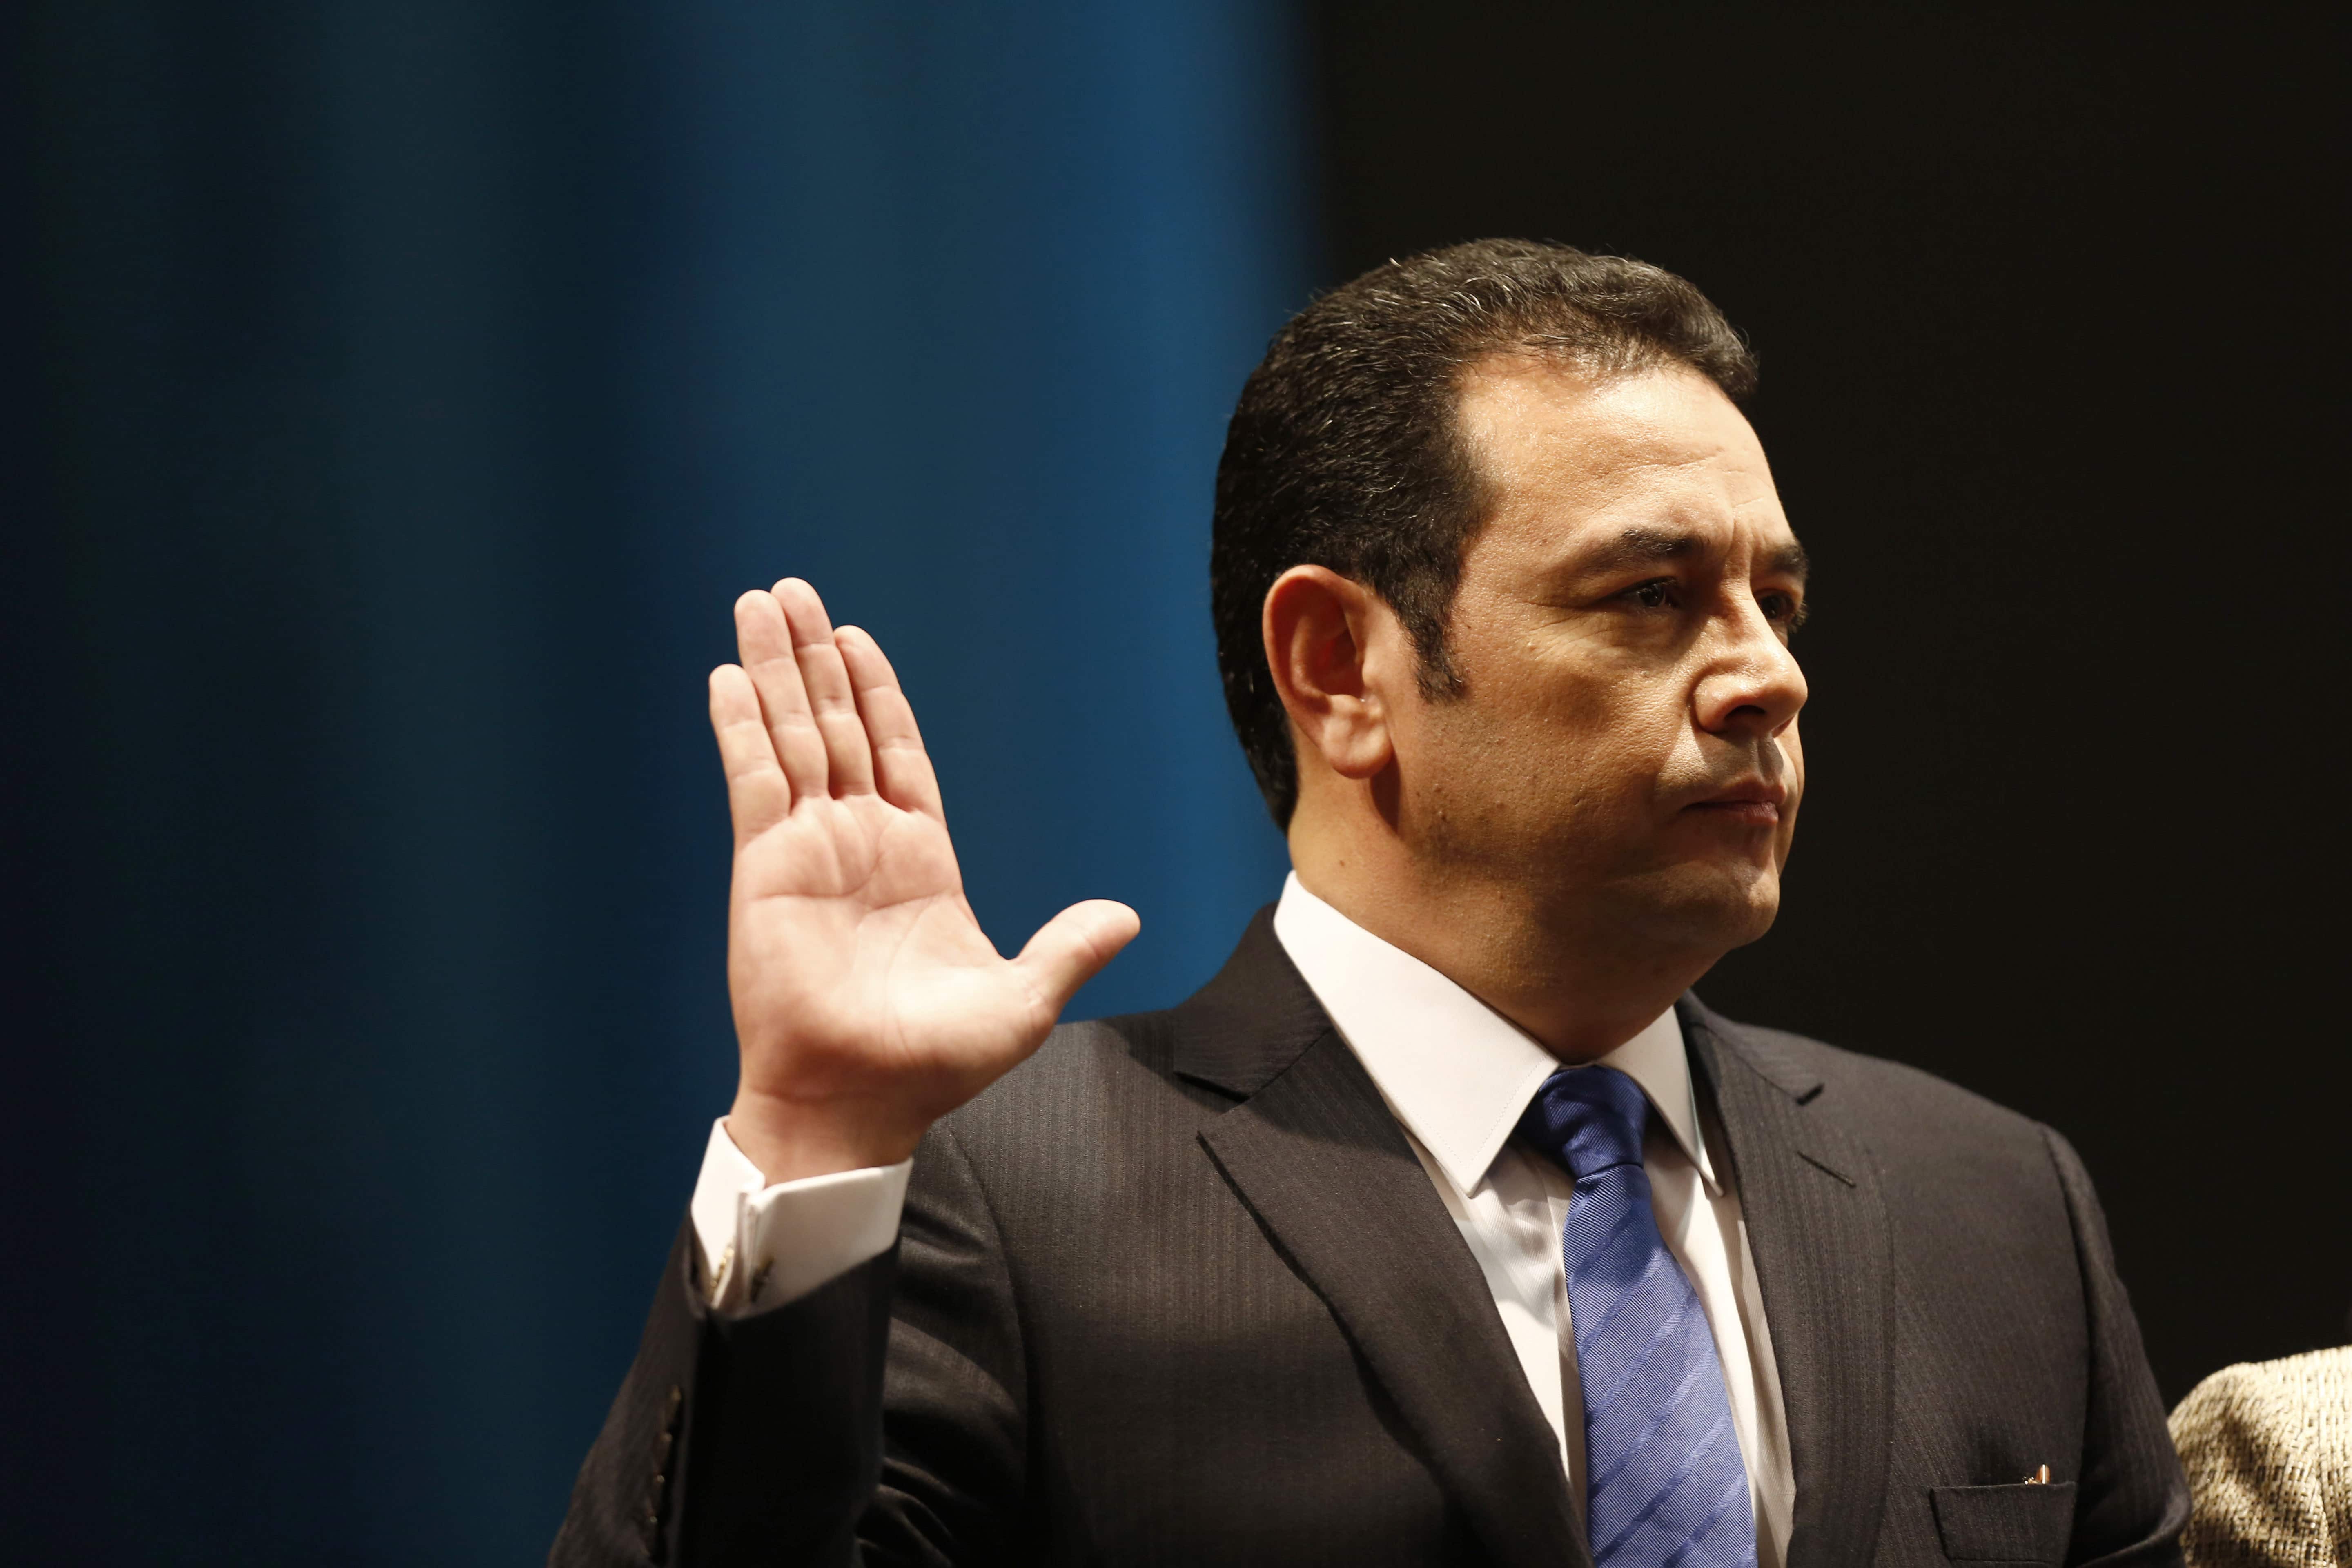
399,395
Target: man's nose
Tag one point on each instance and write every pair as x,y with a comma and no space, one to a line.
1752,686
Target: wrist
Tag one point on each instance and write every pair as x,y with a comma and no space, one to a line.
790,1139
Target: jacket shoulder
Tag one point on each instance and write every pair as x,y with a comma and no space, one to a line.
1088,1073
1220,1043
1899,1109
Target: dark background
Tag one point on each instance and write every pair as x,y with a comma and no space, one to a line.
397,395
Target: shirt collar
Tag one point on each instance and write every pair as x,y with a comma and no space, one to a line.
1454,1071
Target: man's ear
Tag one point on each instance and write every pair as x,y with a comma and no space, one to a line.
1330,642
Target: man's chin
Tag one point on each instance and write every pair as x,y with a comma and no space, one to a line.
1706,908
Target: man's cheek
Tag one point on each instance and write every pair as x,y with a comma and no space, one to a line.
1792,745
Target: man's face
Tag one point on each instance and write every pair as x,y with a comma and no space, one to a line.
1625,741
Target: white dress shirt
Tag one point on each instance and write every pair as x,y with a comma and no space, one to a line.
1456,1075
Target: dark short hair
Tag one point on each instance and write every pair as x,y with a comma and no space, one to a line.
1345,450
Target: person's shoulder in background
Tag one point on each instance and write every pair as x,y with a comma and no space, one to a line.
2268,1448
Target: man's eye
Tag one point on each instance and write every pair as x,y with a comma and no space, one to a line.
1655,595
1782,609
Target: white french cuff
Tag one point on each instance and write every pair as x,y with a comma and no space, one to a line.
764,1247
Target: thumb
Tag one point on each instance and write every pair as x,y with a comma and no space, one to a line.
1072,948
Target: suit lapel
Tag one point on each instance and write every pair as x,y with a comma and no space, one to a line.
1816,1220
1314,1155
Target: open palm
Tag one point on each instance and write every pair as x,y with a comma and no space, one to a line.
867,1001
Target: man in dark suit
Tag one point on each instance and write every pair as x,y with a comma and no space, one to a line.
1443,1225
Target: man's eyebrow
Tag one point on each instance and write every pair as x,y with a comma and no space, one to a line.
1640,545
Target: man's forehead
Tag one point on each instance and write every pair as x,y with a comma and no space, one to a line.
1653,466
1537,421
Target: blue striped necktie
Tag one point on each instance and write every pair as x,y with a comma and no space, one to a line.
1665,1484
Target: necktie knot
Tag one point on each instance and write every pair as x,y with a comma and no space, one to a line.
1588,1119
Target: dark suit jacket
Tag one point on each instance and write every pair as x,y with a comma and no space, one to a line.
1176,1290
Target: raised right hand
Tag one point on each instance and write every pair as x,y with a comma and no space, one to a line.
867,1001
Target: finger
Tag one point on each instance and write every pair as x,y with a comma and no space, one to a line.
1073,948
756,796
901,766
848,758
765,644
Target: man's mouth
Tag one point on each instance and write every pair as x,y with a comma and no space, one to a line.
1754,802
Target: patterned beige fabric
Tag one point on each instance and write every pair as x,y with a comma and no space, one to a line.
2268,1448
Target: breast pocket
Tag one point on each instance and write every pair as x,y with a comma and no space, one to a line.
2013,1525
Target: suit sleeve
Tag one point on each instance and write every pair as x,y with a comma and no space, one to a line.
877,1420
2132,1501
